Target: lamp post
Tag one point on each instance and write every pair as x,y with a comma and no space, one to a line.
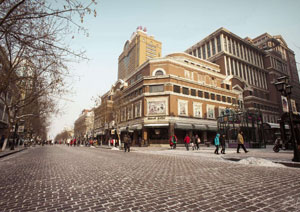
283,86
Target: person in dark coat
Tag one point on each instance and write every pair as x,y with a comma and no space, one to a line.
127,142
197,139
222,141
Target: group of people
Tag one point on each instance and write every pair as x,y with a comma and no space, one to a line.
194,142
220,140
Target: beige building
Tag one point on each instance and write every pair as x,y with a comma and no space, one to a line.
179,94
84,125
140,48
252,66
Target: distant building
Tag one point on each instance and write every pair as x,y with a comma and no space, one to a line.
140,48
84,125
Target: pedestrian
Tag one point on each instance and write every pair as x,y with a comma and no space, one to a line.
193,142
240,139
222,141
127,141
197,141
187,141
217,143
173,141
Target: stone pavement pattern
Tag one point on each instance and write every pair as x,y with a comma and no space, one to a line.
60,178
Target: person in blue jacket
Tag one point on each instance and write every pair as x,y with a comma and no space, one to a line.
217,143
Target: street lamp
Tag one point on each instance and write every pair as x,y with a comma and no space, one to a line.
286,89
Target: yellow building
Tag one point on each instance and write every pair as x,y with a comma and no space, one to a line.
140,48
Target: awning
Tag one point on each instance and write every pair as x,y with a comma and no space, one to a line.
200,126
136,127
183,126
122,129
273,125
156,125
212,127
276,126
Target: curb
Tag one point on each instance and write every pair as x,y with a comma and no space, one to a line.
10,153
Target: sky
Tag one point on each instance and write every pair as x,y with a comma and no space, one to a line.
178,24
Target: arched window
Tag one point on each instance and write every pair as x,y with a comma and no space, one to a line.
159,73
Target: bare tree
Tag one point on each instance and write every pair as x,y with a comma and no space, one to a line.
33,54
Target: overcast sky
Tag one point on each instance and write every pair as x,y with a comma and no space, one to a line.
178,24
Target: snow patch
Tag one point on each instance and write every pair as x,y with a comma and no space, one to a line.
259,162
114,148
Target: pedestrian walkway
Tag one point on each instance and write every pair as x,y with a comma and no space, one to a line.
7,151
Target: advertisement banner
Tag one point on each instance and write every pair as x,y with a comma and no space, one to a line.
285,106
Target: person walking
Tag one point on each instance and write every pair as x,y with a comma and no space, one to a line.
127,142
173,141
217,143
193,142
240,139
187,141
222,141
198,141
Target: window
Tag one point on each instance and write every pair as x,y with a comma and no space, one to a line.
138,109
193,92
199,52
139,76
212,96
218,44
210,111
233,101
159,73
208,49
229,45
182,108
233,47
185,91
225,43
200,94
176,88
206,95
218,98
197,107
203,52
156,88
228,99
213,46
223,98
227,87
140,91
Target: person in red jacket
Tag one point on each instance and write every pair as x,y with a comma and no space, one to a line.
173,141
187,141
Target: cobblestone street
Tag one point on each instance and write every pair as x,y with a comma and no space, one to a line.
61,178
